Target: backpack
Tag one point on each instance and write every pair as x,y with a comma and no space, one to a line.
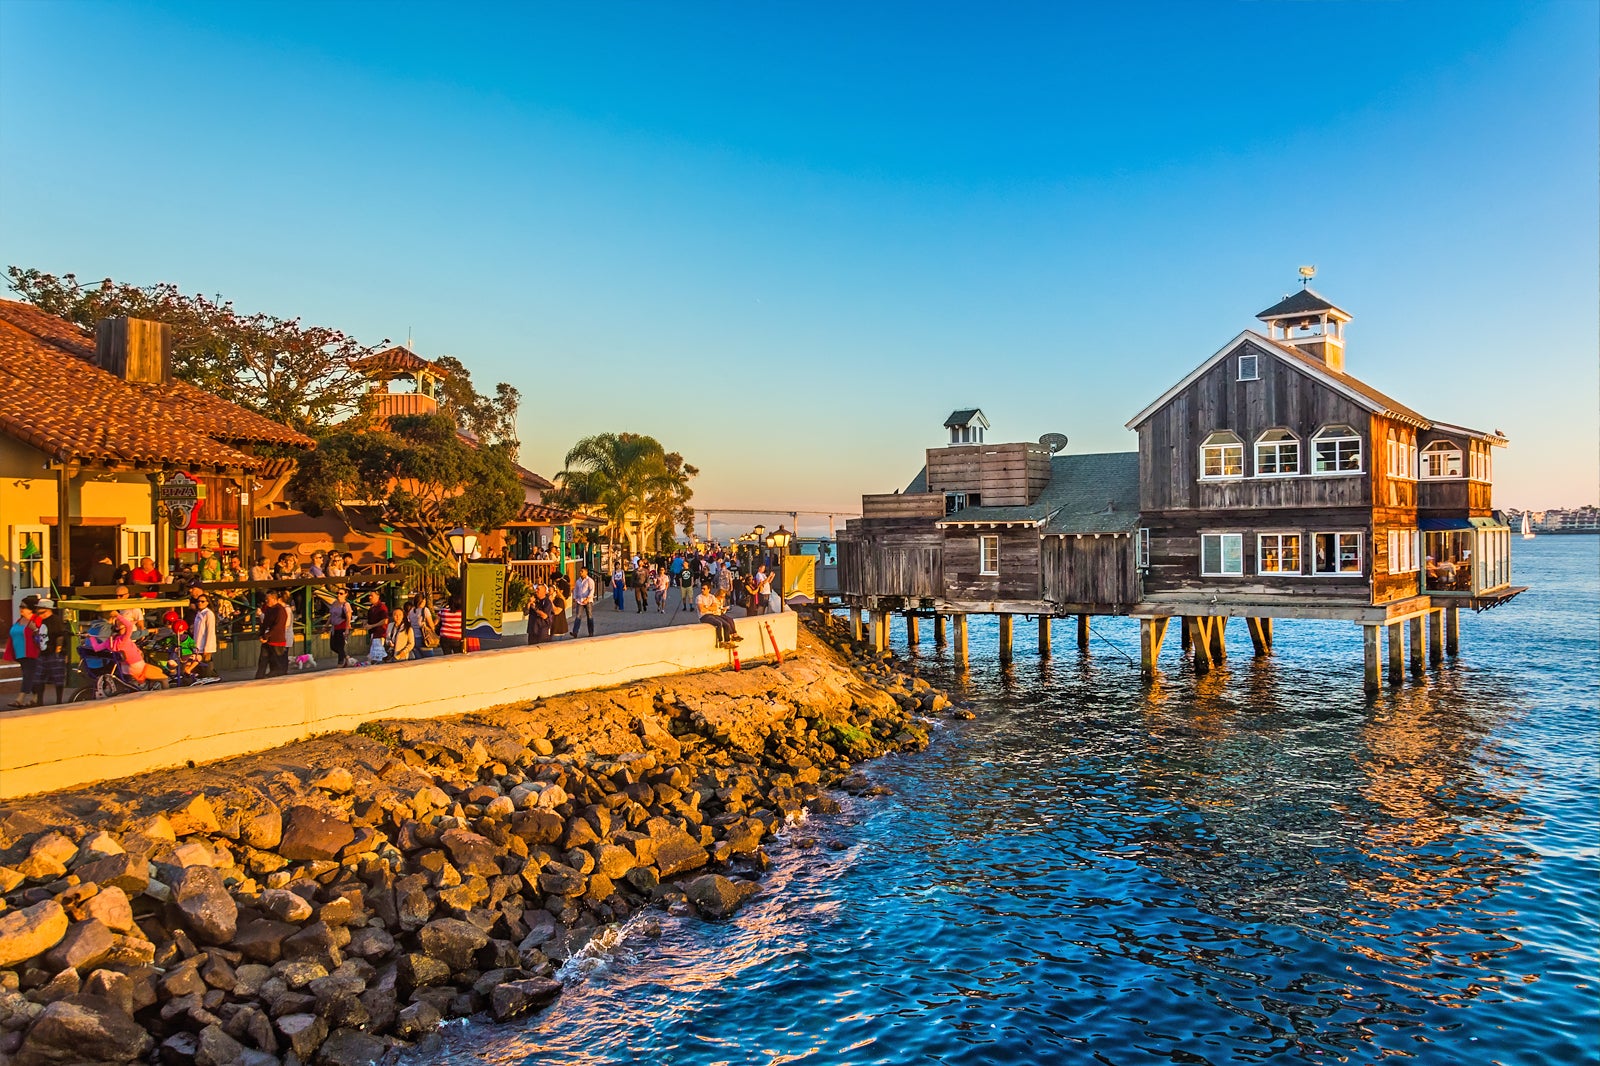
429,633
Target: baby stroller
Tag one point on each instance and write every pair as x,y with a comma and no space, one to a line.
173,650
104,668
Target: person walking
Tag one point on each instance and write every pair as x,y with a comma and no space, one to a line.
203,631
24,645
402,642
340,618
712,614
619,585
452,620
686,587
54,639
641,586
276,636
583,601
541,614
663,582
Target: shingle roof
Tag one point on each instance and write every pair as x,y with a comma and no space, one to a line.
396,362
1303,302
1386,405
1093,493
961,418
54,398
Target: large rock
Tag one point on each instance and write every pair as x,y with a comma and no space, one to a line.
284,905
677,852
131,873
716,896
111,906
312,834
613,861
31,931
537,826
303,1033
452,941
351,1047
203,900
85,946
262,940
519,997
471,853
82,1029
559,879
196,816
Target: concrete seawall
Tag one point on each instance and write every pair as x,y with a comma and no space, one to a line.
51,748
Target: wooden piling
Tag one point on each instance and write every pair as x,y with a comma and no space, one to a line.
1185,634
1414,632
1372,664
855,623
1452,631
1435,637
1203,643
1083,634
913,630
961,638
938,630
1258,637
1265,626
1005,638
1152,631
1044,636
879,625
1397,654
1219,639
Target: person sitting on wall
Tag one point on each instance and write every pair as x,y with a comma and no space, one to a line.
711,613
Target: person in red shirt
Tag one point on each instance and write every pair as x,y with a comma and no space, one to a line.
146,574
273,660
450,623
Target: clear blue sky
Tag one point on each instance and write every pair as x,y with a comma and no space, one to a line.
787,239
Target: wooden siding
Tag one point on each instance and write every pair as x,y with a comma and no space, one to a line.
1283,398
1175,554
1019,565
1091,570
903,505
1455,497
1006,475
891,558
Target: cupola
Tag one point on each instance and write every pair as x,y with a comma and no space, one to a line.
1307,321
966,427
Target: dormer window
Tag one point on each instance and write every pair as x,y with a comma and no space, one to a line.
1248,370
1441,459
1222,456
1336,450
1277,453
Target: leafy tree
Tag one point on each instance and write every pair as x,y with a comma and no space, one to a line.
293,373
417,472
492,419
624,478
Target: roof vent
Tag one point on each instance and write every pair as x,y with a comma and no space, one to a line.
1054,441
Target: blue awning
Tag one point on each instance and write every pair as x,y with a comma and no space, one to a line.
1441,525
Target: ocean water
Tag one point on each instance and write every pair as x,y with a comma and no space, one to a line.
1255,866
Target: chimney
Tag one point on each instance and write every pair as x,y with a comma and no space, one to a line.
136,350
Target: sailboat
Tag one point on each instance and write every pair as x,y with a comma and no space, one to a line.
1527,527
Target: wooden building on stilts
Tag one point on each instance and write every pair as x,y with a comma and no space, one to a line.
1269,483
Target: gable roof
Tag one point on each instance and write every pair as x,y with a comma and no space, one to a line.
55,399
396,362
1090,493
1302,302
965,417
1352,388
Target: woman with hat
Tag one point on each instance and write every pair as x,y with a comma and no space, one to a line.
54,639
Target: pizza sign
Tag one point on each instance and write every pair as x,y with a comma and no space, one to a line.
181,496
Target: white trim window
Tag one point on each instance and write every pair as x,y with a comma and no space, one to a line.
1277,454
1222,456
1402,551
30,561
1400,451
1278,553
1141,551
1336,554
989,555
135,543
1337,450
1482,463
1221,554
1249,367
1440,460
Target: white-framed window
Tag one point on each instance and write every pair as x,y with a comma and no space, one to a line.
1141,551
1336,450
1277,453
1336,554
1249,370
1402,551
1441,459
989,555
1221,554
1222,456
1400,454
960,501
1278,553
30,561
135,543
1482,463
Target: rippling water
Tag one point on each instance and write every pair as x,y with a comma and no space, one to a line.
1255,866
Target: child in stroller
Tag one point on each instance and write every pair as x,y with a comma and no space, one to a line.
112,662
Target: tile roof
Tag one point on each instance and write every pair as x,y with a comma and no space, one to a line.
542,514
1304,302
1093,493
533,480
396,362
54,398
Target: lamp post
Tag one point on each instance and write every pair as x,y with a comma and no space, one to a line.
463,542
779,541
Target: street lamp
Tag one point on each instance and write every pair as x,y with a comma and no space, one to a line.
463,542
760,531
780,539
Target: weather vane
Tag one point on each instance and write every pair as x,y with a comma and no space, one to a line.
1306,274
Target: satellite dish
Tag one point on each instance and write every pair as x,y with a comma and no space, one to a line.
1054,441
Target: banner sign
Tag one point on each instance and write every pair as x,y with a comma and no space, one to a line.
485,595
800,577
180,497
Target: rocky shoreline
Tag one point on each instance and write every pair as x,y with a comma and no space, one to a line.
335,901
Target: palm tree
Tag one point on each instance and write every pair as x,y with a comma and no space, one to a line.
623,478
